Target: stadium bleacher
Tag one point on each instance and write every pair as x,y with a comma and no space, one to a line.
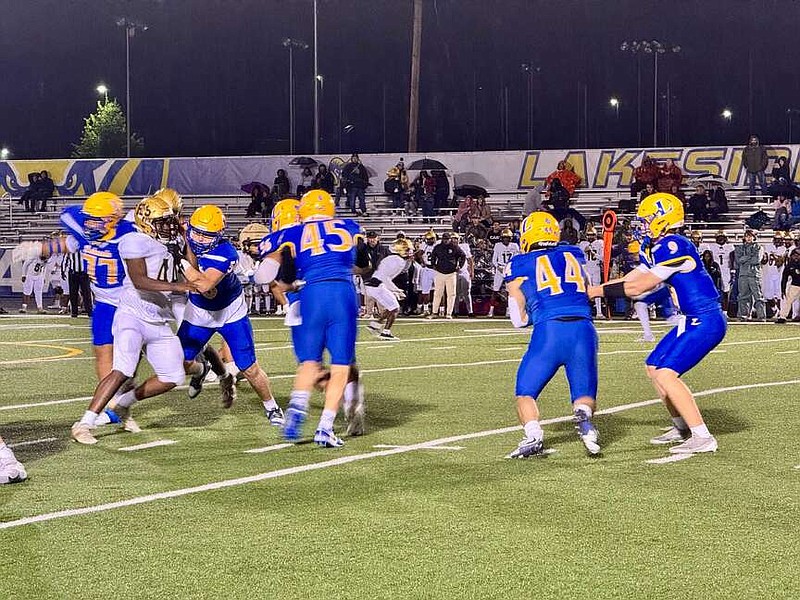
16,225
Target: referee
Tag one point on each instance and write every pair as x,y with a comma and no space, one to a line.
78,280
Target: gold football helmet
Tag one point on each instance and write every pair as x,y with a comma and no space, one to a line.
154,217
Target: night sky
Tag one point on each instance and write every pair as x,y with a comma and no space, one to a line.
210,77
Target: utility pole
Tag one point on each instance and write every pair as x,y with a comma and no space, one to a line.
413,104
316,84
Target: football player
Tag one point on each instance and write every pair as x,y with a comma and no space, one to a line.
773,260
674,260
465,276
381,288
218,305
547,290
593,252
142,320
11,470
722,251
95,228
791,284
503,252
427,274
33,272
324,257
791,242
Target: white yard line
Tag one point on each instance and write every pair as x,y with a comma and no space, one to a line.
669,459
32,442
342,460
444,347
381,446
268,448
788,352
155,444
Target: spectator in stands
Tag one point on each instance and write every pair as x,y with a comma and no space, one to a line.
717,200
476,229
780,170
558,195
699,203
645,173
669,174
568,233
441,194
794,212
394,187
782,220
712,268
428,200
461,217
323,180
754,160
533,201
260,202
28,198
356,181
495,233
281,186
45,189
306,181
565,173
482,211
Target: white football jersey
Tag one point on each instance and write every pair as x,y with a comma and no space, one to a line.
245,268
721,253
503,253
152,307
464,271
593,251
427,251
775,255
390,267
34,268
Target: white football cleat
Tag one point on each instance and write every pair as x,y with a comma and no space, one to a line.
82,434
696,445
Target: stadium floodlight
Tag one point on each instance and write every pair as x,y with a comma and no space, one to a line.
5,153
614,103
102,89
727,114
654,47
131,27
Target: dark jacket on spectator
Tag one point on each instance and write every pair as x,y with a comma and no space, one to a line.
754,158
324,181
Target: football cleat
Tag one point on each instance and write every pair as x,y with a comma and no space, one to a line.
528,447
293,426
82,434
671,436
356,413
196,382
375,326
128,424
227,386
696,445
587,432
275,416
326,438
11,470
387,335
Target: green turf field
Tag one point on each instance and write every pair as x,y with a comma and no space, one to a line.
414,521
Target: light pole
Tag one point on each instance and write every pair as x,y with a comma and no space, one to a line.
103,90
131,27
655,48
790,113
317,81
530,70
291,44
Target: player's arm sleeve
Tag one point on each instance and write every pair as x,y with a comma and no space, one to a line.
666,269
516,303
288,270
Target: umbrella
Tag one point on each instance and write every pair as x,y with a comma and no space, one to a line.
248,188
707,179
470,190
426,164
303,161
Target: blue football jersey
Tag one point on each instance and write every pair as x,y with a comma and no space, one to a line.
323,250
554,283
101,259
222,257
677,257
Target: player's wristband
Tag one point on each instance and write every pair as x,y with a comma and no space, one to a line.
614,290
